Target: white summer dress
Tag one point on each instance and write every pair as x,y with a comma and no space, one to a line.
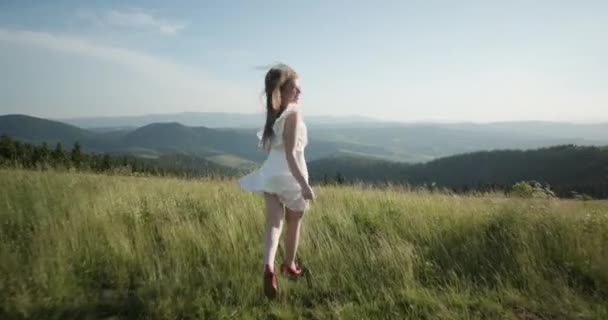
274,175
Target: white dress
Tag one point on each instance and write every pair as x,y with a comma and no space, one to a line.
274,175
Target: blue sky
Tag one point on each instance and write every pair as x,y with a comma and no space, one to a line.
400,60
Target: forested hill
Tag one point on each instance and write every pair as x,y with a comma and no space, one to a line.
237,147
565,168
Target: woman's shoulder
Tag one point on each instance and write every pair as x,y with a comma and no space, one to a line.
290,110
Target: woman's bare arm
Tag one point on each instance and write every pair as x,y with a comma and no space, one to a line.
289,140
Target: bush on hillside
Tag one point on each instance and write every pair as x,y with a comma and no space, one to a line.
531,189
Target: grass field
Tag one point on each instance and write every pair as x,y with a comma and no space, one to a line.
82,246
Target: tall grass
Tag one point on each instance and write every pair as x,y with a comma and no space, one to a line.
80,246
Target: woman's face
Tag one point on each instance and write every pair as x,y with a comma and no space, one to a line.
290,92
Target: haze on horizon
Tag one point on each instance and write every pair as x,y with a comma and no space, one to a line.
478,61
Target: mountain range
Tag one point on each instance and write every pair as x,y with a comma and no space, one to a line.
197,119
237,146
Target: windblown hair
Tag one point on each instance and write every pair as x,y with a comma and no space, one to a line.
276,78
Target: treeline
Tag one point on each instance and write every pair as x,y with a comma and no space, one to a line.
569,170
17,154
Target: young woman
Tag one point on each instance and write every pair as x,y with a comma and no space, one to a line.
283,177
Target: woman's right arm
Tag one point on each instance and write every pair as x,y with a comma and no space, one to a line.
289,141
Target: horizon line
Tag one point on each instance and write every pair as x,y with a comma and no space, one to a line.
367,119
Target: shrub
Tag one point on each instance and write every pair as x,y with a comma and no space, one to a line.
531,189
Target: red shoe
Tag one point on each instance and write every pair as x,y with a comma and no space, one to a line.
291,272
270,283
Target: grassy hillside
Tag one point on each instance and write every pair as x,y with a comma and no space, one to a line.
76,246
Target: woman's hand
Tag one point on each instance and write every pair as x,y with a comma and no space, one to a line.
307,193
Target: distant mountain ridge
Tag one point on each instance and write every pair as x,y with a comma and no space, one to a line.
547,129
37,129
399,142
200,119
454,156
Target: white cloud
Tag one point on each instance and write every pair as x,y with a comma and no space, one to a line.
134,19
181,88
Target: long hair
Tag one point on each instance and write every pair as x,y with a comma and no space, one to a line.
276,78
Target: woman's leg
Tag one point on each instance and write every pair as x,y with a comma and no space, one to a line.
294,221
274,224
